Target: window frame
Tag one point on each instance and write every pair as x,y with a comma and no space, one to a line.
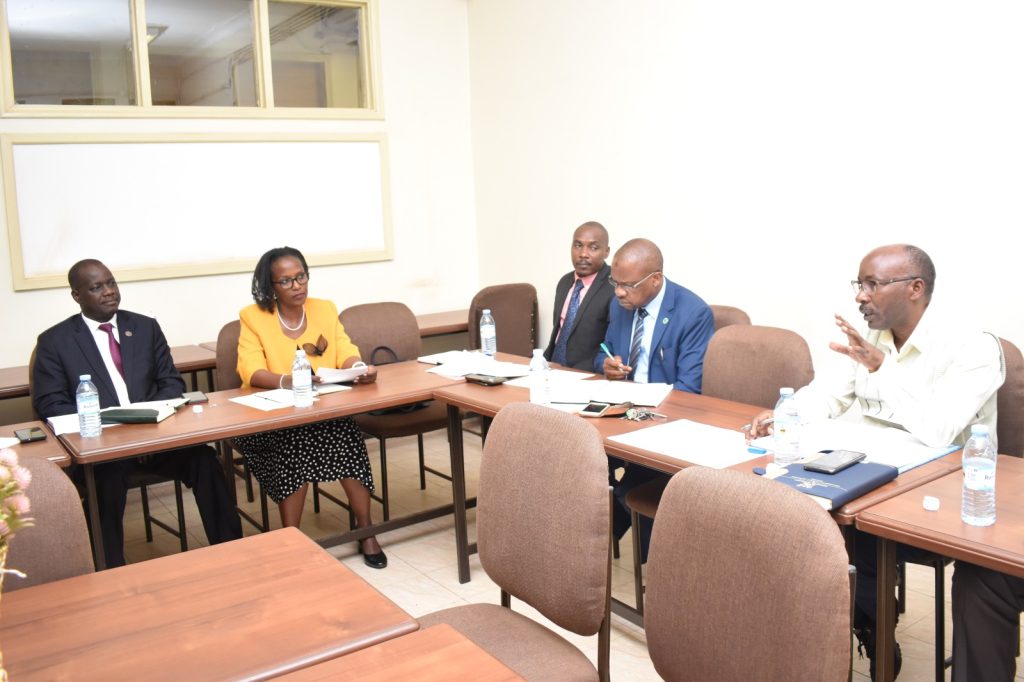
369,59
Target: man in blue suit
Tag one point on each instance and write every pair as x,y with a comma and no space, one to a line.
129,361
657,333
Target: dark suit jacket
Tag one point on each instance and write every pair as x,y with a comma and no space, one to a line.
591,319
681,334
68,350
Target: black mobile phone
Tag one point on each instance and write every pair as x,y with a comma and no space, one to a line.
835,461
194,397
485,379
30,435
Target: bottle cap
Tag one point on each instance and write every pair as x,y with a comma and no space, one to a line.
487,311
85,377
979,429
930,503
786,391
197,409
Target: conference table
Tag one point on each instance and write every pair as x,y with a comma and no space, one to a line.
903,519
397,384
50,448
250,609
439,653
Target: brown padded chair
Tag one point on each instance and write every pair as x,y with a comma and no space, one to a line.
1010,399
543,525
745,363
514,307
726,315
747,580
384,333
141,480
57,545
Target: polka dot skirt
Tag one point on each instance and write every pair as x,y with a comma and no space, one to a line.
326,451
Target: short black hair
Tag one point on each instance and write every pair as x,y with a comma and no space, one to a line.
262,279
923,266
77,268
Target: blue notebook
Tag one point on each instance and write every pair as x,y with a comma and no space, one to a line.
832,491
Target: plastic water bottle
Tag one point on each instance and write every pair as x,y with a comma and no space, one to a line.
787,428
978,506
88,400
488,334
302,380
540,378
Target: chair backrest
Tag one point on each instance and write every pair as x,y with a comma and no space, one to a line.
747,579
514,307
543,514
227,356
726,315
1010,403
383,332
749,364
57,545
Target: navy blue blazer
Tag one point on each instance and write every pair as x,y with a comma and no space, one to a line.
681,335
67,350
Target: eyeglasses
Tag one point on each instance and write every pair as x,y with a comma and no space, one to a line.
868,286
634,285
287,282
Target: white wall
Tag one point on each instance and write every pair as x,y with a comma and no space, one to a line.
765,146
427,119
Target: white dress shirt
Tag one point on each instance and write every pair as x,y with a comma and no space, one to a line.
643,362
103,345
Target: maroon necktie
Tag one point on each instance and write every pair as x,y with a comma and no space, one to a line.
115,347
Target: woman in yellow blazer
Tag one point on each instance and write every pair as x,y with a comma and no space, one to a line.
284,462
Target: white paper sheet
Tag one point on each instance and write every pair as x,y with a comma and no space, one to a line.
882,445
475,363
615,392
68,423
691,442
557,375
336,376
8,442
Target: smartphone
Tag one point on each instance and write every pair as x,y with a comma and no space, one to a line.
30,435
485,379
604,409
834,461
194,397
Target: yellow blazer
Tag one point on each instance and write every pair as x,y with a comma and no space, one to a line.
263,345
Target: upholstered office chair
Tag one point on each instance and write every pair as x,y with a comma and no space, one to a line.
514,307
57,545
141,480
543,524
1010,440
726,315
746,363
385,333
747,580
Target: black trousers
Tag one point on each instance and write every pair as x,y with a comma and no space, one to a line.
986,623
196,467
635,475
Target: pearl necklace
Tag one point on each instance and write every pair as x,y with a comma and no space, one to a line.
297,327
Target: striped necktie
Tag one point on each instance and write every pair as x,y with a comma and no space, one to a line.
570,316
638,339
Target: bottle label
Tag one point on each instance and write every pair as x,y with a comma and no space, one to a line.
979,478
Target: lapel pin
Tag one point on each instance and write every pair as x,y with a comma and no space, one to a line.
129,332
664,320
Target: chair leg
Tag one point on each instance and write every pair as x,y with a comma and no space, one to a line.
615,548
182,534
423,470
901,588
384,479
853,606
316,497
940,619
147,520
638,575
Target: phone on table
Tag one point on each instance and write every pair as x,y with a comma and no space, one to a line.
195,397
30,435
595,409
485,379
834,461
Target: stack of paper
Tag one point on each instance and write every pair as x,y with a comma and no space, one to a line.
280,398
882,445
691,442
461,363
614,392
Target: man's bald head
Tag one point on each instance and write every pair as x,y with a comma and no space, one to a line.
75,273
637,269
643,252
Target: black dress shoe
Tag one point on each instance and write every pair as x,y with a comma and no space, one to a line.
378,560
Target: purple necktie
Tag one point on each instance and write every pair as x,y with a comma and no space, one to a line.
115,347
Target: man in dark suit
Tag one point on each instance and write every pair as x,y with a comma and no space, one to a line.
129,361
582,299
662,330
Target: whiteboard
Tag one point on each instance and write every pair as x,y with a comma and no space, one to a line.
190,205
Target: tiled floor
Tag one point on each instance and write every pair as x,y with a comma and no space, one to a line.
421,576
